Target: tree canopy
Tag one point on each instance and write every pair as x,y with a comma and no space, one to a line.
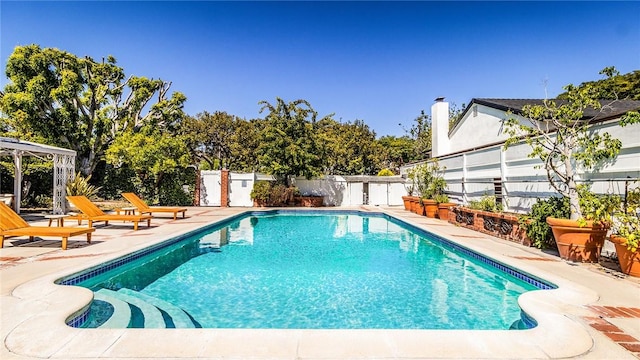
289,143
81,104
349,148
614,86
420,132
222,140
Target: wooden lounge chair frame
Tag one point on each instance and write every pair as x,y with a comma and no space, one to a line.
143,208
12,225
92,213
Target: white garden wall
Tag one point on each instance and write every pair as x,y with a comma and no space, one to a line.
336,190
333,188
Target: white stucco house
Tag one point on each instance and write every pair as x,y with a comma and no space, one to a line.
477,164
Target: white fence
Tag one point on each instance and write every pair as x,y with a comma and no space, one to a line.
517,179
336,190
210,188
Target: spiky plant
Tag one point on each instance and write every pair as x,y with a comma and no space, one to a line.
79,186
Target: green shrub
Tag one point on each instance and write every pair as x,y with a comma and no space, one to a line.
278,195
486,203
385,172
37,179
627,220
273,194
535,223
42,201
6,178
261,190
597,207
171,190
441,198
115,181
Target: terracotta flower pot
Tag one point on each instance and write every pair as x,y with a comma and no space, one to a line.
629,261
309,201
415,205
259,203
407,202
443,210
575,243
430,207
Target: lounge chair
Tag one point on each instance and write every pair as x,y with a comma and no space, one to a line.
12,225
143,208
92,213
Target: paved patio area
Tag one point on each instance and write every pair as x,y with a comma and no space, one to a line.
594,314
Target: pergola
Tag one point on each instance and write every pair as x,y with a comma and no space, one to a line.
64,165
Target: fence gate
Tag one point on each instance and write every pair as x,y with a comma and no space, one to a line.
210,188
356,193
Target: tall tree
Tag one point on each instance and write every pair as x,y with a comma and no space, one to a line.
151,153
420,132
289,145
210,137
395,151
245,142
455,114
82,104
614,86
222,140
349,148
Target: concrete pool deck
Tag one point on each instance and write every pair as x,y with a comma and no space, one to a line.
594,314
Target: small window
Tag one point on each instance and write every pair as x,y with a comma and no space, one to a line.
244,183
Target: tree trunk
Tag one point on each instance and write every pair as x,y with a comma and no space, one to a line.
574,202
84,165
159,178
572,187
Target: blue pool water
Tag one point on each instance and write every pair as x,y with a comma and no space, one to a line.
312,271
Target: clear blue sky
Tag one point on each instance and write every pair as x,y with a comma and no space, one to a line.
381,62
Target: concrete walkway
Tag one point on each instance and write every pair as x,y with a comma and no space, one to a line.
595,313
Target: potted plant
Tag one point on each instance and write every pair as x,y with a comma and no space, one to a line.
487,203
560,135
486,212
430,182
406,200
443,206
410,187
626,234
260,193
430,207
309,200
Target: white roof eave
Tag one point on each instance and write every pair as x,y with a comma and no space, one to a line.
7,145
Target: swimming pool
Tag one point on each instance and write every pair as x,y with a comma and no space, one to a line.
348,271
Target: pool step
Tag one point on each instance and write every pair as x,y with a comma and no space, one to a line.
152,316
121,311
180,318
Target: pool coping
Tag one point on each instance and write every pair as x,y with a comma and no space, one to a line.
557,335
